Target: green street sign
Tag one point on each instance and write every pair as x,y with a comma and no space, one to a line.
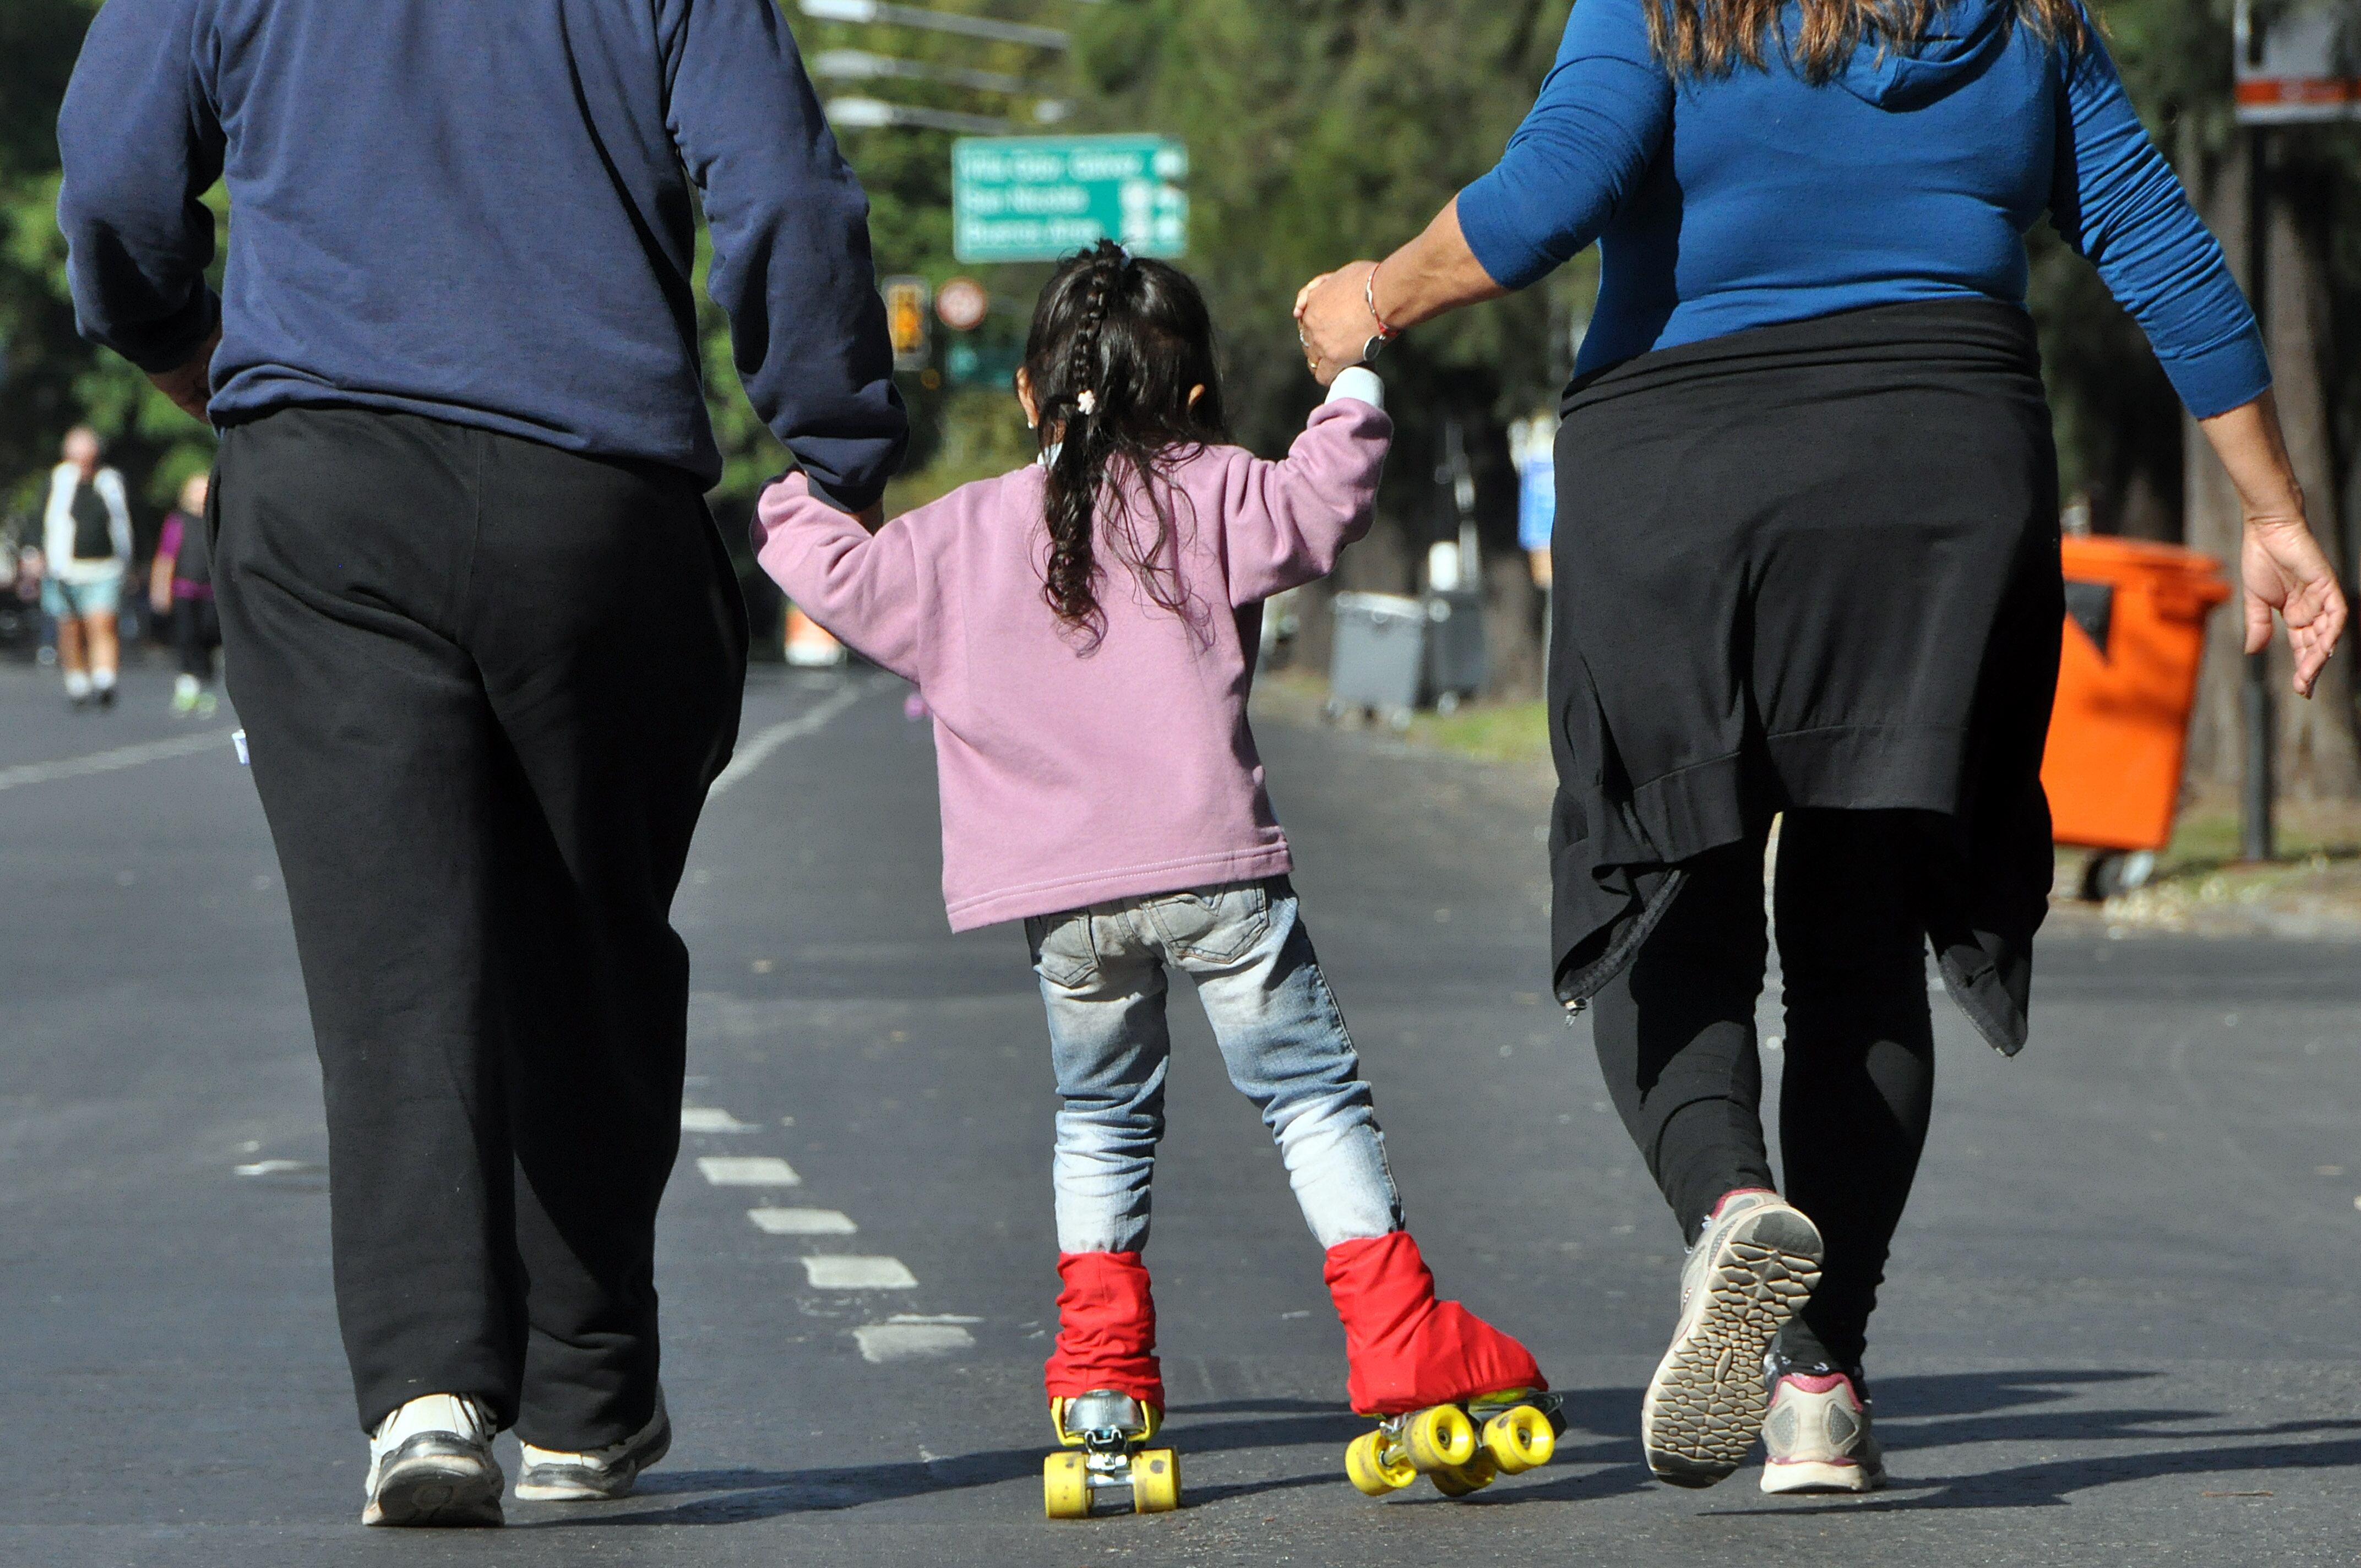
1038,198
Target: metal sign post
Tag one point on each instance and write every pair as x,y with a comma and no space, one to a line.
1038,198
2298,63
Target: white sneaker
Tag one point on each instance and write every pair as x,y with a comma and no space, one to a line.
430,1464
1818,1437
549,1475
1753,1268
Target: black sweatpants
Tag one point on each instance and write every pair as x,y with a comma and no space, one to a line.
485,684
1675,1038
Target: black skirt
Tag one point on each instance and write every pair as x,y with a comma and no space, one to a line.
1810,565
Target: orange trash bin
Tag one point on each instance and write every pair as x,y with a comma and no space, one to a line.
2134,635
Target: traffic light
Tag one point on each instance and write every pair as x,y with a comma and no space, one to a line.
906,321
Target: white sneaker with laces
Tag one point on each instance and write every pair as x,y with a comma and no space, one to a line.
552,1476
1818,1437
1753,1268
430,1464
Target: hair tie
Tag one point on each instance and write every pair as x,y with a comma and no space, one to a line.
1088,402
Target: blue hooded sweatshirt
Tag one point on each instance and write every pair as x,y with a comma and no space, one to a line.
483,212
1747,199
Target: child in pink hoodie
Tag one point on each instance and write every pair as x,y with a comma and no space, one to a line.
1084,631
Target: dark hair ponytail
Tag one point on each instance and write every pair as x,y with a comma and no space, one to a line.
1117,344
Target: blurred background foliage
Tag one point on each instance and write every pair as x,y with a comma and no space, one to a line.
1319,130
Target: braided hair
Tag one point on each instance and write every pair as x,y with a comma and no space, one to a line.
1117,343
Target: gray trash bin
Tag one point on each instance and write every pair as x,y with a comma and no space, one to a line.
1458,661
1380,657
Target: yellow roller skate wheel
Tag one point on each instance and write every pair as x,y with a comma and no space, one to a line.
1367,1467
1519,1440
1155,1481
1440,1437
1462,1479
1065,1487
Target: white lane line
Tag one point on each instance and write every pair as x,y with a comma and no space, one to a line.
751,755
274,1167
108,761
802,1222
748,1170
843,1273
908,1342
712,1119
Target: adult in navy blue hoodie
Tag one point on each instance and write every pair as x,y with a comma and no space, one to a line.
484,639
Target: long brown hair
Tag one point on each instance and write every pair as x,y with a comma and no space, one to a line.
1711,37
1117,343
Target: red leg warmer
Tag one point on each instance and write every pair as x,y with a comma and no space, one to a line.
1408,1350
1106,1328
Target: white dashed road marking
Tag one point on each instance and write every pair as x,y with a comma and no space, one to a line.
802,1222
843,1273
905,1342
748,1170
273,1167
905,1336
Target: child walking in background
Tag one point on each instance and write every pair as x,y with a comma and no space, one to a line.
1083,632
180,587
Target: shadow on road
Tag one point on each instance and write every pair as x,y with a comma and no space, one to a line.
1916,1413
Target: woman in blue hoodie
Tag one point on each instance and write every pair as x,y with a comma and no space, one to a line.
1806,566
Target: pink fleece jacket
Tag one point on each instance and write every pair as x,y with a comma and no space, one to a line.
1072,776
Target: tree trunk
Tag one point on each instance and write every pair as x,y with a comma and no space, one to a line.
2317,755
2210,520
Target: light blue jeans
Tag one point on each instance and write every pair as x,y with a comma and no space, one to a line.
1102,979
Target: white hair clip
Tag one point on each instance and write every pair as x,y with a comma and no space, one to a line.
1088,402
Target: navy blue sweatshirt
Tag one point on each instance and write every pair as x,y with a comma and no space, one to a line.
482,210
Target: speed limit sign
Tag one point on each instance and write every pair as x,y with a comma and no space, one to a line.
962,303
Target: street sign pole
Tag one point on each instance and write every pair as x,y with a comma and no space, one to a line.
2295,64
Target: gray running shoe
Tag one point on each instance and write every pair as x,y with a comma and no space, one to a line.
549,1475
1817,1436
1751,1271
430,1464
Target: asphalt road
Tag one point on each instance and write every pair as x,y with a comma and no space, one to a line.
2120,1328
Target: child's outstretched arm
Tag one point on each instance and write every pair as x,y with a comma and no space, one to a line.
1286,522
864,589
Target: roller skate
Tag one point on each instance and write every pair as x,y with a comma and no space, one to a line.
1107,1466
1462,1448
1106,1393
1455,1399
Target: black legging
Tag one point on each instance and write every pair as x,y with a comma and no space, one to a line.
1676,1035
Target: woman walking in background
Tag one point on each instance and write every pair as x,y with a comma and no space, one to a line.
1807,564
87,544
180,587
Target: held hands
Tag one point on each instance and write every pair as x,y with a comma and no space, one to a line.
2285,570
1333,319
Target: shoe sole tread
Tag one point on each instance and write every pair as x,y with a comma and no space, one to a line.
1705,1405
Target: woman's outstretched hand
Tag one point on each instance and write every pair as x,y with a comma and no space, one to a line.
1332,320
2281,563
2284,569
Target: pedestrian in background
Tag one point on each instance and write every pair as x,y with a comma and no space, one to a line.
479,627
1806,562
180,592
86,548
